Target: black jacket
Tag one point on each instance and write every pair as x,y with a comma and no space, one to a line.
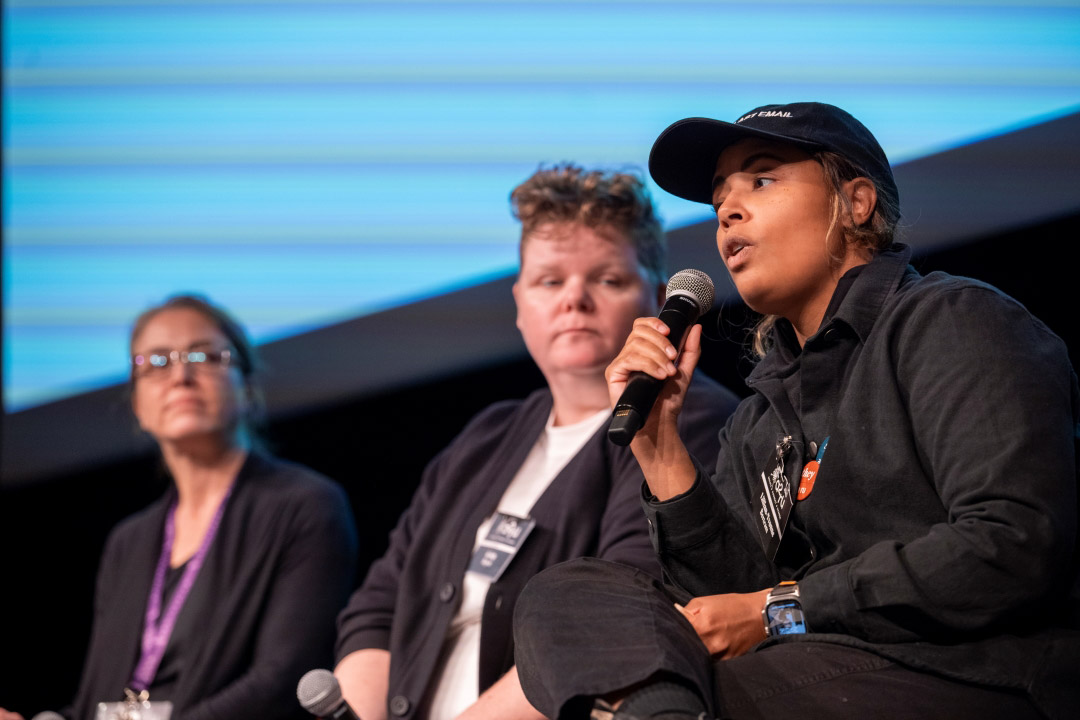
261,612
591,508
942,528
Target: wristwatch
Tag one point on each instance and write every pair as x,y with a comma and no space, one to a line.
783,613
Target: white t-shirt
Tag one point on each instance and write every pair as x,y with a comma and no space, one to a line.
458,684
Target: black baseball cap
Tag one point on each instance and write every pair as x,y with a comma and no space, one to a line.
683,158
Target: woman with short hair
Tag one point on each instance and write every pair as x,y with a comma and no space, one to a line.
528,483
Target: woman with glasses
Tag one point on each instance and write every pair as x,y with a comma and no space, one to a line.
219,596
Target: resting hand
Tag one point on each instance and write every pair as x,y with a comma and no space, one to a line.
504,700
729,624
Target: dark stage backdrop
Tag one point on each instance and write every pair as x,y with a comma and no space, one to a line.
52,533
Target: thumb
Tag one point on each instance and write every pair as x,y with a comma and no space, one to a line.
691,351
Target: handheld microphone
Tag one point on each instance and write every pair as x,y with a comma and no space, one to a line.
320,694
48,715
689,295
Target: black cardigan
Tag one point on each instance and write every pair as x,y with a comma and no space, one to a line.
591,508
278,571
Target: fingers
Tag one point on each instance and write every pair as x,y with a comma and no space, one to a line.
729,624
646,350
691,352
692,613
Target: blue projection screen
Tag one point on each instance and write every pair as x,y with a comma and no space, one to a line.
303,163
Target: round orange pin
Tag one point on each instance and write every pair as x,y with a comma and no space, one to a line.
806,483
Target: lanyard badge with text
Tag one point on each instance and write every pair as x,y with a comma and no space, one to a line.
502,542
772,500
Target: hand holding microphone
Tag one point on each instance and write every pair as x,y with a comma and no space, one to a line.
320,694
689,295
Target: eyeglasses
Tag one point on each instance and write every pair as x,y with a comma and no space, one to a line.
156,365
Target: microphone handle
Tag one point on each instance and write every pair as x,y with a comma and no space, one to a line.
343,711
641,390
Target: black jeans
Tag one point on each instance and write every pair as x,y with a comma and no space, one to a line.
589,628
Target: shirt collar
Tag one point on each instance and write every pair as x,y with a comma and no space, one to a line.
862,303
856,302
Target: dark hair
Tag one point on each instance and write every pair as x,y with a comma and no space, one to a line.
872,236
243,355
596,199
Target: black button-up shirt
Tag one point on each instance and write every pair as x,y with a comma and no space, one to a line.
942,528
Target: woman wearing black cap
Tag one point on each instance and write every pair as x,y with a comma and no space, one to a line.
890,529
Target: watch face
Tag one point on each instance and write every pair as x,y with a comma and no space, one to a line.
785,617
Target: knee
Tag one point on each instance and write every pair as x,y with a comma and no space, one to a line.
551,589
576,588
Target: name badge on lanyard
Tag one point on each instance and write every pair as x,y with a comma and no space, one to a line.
772,502
497,549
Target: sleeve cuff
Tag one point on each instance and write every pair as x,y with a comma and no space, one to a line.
685,520
827,600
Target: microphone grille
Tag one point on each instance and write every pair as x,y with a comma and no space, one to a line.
318,692
694,284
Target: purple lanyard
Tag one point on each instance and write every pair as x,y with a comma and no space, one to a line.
156,633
